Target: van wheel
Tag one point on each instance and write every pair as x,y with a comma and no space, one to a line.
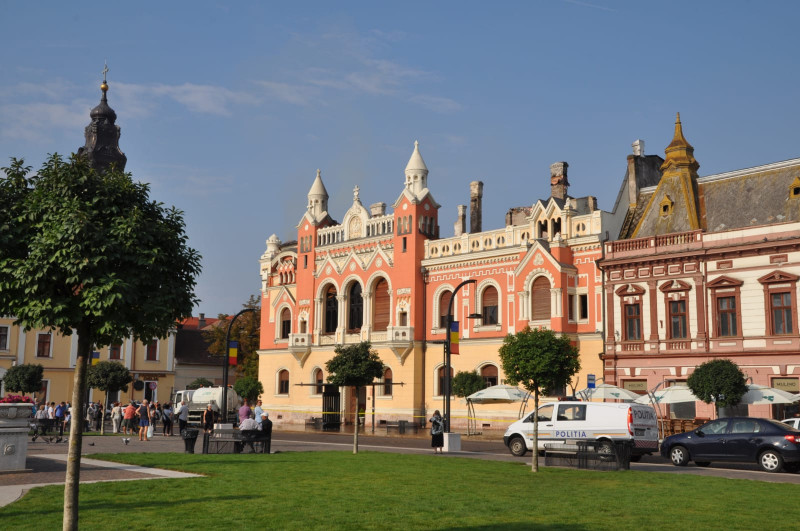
679,456
770,461
517,446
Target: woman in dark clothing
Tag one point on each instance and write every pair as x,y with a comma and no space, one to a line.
437,432
208,419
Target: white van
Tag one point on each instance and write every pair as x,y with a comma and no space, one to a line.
598,421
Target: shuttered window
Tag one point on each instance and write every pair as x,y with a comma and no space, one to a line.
331,311
540,293
489,310
382,308
444,302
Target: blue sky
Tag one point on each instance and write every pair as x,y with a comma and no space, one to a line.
228,108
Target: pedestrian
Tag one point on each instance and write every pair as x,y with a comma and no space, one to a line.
68,418
144,420
257,413
244,412
127,419
437,432
89,417
116,417
60,413
155,416
183,416
166,419
41,422
98,417
208,419
266,431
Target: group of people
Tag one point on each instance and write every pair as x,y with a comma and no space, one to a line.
254,424
140,418
52,417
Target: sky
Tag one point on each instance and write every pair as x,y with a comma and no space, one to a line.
227,109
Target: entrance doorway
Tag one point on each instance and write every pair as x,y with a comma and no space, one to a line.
357,405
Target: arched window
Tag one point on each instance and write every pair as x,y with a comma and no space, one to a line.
444,302
489,375
286,323
283,382
331,311
489,310
355,316
387,382
440,380
382,310
318,380
540,295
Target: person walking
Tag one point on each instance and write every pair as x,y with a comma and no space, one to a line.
437,432
257,411
244,412
144,420
166,415
208,419
116,417
183,416
127,419
89,417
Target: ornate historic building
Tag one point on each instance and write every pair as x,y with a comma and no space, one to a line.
705,267
151,363
388,278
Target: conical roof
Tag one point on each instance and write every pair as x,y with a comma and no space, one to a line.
318,188
415,163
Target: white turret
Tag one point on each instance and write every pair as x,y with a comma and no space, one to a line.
416,173
317,198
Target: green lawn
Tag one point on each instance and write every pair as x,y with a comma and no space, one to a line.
326,490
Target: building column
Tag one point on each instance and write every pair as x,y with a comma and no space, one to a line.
700,296
652,295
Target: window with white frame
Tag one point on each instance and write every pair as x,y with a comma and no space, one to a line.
44,345
4,337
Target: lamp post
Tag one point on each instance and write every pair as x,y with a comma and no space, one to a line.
224,405
447,382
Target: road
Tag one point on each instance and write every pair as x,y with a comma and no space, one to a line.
473,448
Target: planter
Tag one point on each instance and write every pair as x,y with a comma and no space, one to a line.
14,424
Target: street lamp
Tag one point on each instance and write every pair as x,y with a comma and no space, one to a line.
224,405
447,382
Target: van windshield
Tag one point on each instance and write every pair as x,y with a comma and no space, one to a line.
545,413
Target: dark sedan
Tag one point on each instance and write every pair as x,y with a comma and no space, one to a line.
771,444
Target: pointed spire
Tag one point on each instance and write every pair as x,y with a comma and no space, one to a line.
415,163
318,188
317,198
102,135
679,152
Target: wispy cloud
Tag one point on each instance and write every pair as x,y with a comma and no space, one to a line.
35,121
437,104
205,99
290,93
190,181
587,4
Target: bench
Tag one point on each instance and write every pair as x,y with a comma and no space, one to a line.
402,427
233,441
587,454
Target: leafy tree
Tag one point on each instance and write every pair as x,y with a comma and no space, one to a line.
246,331
354,366
248,388
200,382
543,363
466,383
719,381
109,377
26,378
89,252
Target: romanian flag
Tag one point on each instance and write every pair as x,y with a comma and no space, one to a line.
233,353
95,358
454,335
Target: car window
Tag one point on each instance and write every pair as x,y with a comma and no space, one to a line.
572,412
715,427
745,426
546,413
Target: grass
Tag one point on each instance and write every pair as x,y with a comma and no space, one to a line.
337,490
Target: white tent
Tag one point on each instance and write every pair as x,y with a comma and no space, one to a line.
607,392
496,394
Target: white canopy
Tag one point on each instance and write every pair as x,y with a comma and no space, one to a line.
608,391
498,394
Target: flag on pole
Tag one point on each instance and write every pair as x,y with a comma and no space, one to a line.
454,335
233,352
95,358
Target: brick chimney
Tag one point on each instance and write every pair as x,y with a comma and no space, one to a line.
201,321
475,206
558,180
461,220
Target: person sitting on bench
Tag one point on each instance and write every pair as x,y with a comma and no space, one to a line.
249,429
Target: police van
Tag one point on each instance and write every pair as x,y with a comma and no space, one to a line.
604,422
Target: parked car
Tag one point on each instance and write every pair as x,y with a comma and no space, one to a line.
771,444
794,423
605,422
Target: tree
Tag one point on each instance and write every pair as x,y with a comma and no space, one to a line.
200,382
109,377
91,253
246,332
543,363
354,366
466,383
248,388
719,381
26,378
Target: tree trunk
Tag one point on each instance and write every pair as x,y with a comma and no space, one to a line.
72,481
355,431
535,457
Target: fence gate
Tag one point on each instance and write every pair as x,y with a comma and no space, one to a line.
331,412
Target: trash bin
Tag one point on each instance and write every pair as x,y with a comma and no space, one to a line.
189,439
401,426
624,455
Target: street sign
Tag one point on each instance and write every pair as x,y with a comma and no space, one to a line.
590,381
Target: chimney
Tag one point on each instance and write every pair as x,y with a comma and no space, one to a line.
377,209
638,148
475,207
201,321
558,180
461,220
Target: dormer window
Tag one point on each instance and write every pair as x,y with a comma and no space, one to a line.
666,206
794,188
